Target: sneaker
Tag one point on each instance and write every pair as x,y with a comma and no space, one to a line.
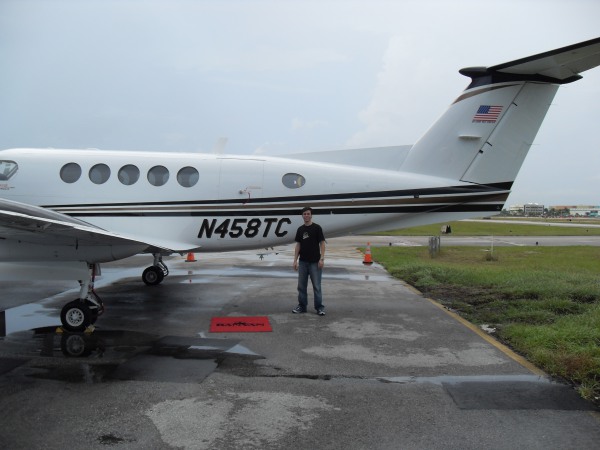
321,311
298,310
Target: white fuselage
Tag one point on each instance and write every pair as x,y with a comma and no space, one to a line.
220,203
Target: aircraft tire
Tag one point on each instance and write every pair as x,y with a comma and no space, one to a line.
153,275
75,316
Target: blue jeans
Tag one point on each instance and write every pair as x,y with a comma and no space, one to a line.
305,270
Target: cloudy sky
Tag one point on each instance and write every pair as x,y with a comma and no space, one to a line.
277,77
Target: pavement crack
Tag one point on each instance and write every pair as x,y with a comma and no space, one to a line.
302,376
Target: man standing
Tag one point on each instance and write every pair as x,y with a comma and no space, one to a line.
309,257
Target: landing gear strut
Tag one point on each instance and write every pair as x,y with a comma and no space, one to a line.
79,314
154,274
84,311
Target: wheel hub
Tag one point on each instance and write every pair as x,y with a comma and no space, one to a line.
74,317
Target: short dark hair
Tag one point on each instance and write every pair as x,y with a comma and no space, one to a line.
306,208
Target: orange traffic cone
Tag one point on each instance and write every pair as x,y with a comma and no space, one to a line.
368,260
190,257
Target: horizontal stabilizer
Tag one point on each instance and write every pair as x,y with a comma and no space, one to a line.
558,66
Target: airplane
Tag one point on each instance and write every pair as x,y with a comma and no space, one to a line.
63,212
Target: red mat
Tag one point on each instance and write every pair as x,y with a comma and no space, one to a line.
239,324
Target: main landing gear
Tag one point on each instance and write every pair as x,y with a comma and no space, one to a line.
83,312
79,314
155,273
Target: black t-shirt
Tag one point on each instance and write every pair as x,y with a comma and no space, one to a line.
309,238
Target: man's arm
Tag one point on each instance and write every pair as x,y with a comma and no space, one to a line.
322,260
296,255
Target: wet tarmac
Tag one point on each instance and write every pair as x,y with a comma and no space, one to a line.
384,369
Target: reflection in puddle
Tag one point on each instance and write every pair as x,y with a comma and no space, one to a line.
38,315
113,355
26,317
203,276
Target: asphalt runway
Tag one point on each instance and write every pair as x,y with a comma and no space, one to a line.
384,369
477,241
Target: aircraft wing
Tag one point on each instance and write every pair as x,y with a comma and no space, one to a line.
37,225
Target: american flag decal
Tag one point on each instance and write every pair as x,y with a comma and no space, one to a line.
487,114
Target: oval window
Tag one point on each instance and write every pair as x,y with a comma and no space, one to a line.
129,174
70,172
187,177
158,175
100,173
293,180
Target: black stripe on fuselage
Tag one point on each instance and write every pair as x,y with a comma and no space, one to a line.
365,210
415,193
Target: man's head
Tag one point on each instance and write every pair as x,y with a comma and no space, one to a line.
307,215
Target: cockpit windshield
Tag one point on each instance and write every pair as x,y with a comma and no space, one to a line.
7,169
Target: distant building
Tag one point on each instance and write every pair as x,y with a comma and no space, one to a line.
515,210
533,209
528,209
580,210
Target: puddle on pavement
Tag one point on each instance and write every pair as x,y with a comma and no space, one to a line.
449,379
27,317
203,275
106,355
37,315
29,342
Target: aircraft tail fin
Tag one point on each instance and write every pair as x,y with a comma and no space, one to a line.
486,133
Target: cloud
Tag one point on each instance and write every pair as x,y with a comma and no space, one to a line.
300,124
294,76
402,100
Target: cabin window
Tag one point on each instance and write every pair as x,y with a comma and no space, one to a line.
158,175
293,180
188,177
7,169
99,174
129,174
70,172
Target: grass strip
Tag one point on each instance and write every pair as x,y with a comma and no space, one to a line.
544,302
